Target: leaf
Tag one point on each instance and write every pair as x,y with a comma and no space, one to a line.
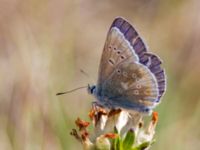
129,140
117,143
142,146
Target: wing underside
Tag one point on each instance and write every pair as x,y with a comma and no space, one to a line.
129,76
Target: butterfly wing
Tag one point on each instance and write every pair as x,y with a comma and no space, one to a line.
116,51
129,76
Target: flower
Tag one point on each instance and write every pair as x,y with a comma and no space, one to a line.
115,129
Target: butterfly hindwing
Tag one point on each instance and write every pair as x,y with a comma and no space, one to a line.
132,85
153,63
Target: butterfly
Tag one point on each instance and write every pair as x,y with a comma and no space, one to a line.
130,77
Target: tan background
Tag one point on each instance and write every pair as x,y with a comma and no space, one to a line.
44,44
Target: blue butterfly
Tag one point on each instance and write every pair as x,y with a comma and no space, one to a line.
129,76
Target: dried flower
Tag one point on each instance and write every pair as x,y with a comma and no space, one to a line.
115,129
82,124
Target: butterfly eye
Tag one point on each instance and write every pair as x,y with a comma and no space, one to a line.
115,48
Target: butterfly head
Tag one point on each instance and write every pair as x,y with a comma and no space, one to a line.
91,89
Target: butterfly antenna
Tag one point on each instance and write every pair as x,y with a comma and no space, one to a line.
61,93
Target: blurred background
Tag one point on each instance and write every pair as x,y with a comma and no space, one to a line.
44,44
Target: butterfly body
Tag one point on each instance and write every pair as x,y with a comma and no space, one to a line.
129,76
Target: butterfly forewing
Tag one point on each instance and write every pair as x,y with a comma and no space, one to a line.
116,51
